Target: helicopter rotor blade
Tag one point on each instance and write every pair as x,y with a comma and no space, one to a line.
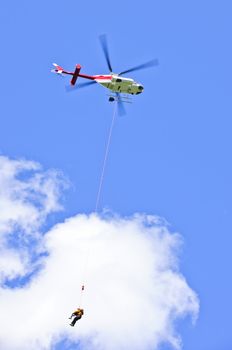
70,88
148,64
104,45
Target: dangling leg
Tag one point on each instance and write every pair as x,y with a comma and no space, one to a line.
75,320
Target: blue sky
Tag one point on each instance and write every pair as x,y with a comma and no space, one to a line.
170,155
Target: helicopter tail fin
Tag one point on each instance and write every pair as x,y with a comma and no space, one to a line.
60,71
75,74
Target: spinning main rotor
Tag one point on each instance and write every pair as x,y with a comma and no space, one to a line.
104,45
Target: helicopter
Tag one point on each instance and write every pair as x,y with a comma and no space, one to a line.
115,82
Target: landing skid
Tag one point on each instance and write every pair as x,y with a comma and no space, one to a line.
121,98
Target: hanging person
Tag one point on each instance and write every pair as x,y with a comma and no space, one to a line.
77,316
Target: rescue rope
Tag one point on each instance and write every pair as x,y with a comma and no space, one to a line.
81,295
105,159
106,154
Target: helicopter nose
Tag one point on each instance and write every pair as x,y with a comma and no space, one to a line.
140,89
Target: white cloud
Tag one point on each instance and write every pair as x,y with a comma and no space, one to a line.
27,195
12,264
134,290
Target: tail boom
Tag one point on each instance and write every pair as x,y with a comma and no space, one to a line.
59,70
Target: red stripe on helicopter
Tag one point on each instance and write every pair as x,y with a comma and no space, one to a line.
103,77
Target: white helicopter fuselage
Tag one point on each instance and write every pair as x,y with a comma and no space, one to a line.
114,82
119,84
